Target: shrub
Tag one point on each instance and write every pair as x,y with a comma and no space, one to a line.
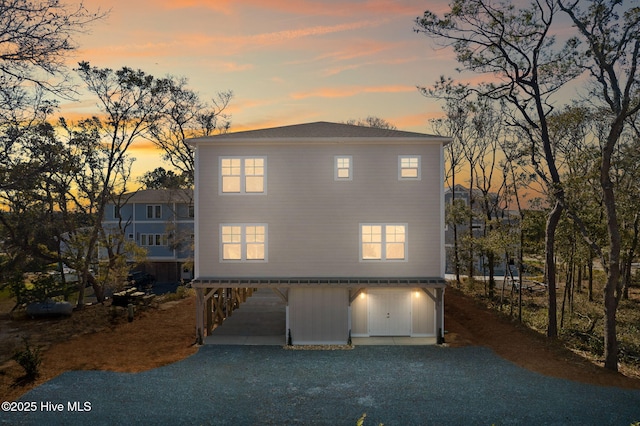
29,359
182,292
37,288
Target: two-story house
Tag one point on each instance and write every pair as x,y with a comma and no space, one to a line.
345,223
160,221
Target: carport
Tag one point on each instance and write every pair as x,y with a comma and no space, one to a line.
308,306
260,320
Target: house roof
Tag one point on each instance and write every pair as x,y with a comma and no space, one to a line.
159,196
318,131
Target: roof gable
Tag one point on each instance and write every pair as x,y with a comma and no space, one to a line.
159,196
317,131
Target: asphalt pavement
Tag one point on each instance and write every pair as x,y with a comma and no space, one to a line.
269,385
244,376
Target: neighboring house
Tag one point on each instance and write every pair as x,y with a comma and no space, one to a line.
160,221
345,223
478,225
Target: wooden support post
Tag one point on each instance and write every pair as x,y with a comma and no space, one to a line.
440,315
200,316
218,308
229,300
209,315
237,298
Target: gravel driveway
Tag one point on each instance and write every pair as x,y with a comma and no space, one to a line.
394,385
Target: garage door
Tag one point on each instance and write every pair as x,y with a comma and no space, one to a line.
389,312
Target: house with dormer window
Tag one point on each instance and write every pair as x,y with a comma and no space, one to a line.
345,223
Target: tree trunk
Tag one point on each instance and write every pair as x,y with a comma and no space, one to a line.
579,279
630,255
610,337
612,290
550,268
491,258
564,301
492,278
456,254
590,282
471,236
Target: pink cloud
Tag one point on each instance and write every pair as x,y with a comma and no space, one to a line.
231,67
306,7
341,68
348,91
278,36
415,120
186,43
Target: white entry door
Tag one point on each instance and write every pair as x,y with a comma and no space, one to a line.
389,312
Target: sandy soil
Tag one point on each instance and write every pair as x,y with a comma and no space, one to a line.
93,340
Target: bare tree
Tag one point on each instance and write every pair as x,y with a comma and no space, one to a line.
454,124
515,47
516,179
35,38
132,101
488,132
186,116
372,121
611,58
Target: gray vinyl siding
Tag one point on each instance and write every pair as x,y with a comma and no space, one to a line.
314,220
318,315
359,316
423,314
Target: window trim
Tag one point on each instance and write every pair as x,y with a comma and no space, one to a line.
400,168
383,243
242,175
155,208
336,168
153,240
243,243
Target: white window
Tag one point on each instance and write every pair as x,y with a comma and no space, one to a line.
409,167
243,242
154,211
478,226
147,240
242,175
383,242
343,167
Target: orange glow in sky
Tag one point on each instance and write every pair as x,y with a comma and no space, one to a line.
287,61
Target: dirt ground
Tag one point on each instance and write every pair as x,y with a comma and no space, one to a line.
92,340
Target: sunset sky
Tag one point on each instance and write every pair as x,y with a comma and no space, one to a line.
287,62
